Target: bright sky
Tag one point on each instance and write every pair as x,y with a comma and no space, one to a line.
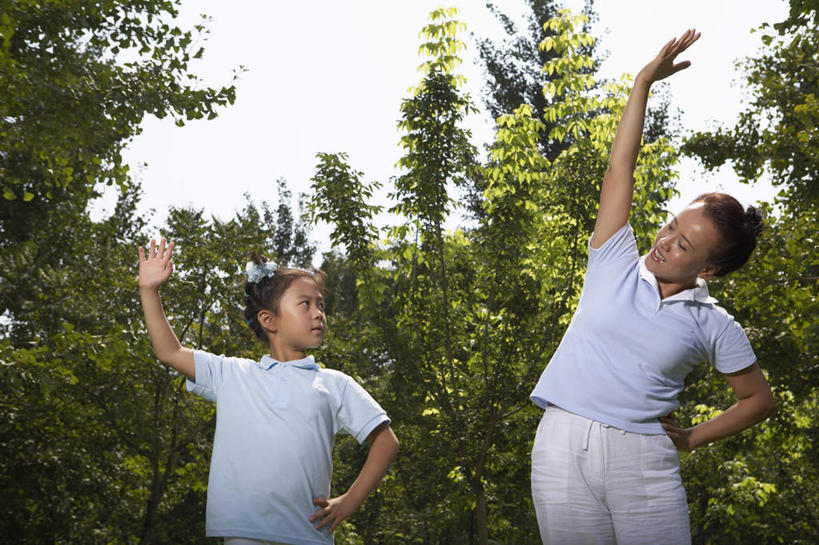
329,76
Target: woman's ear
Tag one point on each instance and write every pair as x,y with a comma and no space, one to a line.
708,271
268,321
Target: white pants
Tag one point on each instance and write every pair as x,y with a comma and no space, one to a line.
592,483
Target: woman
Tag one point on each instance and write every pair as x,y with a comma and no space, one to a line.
605,467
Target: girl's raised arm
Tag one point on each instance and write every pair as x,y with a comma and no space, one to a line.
154,270
617,190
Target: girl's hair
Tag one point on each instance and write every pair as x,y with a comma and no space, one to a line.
738,228
268,291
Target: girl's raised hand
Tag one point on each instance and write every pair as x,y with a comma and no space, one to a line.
663,65
156,267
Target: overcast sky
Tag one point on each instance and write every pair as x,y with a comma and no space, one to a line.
329,76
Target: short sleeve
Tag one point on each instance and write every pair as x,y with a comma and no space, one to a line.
620,246
359,414
208,375
732,350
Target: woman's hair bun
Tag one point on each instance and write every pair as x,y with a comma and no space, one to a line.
754,221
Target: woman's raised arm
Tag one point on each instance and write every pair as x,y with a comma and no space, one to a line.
618,183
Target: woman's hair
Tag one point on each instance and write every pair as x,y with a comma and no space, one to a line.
738,228
266,293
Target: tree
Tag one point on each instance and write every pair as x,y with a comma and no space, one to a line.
100,442
76,80
777,133
70,100
460,324
761,486
516,74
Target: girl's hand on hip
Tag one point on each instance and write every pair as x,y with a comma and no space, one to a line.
332,511
663,65
156,267
677,433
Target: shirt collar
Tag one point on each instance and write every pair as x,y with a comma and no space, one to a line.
268,363
698,293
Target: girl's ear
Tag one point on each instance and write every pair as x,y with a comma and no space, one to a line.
268,321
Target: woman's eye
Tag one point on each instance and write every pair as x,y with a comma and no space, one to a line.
683,248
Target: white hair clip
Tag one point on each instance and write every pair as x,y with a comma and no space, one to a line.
256,272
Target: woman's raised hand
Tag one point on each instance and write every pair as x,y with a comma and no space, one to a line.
663,65
156,267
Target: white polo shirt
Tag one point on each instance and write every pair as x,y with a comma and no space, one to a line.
273,448
625,355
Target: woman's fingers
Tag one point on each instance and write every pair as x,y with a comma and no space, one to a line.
681,66
667,47
678,45
687,39
325,519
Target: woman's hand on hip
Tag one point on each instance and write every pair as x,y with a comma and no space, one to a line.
676,432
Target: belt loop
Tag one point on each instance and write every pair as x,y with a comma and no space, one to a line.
588,434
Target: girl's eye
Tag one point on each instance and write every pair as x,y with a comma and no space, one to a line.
683,248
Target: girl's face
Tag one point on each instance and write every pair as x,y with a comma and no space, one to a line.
300,323
683,248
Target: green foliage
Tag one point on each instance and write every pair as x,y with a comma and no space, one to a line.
778,133
465,321
68,104
100,442
762,486
514,69
344,197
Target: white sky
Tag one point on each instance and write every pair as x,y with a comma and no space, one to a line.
329,76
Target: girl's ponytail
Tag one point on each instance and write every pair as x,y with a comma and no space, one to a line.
266,283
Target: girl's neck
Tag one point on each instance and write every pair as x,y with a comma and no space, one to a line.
286,353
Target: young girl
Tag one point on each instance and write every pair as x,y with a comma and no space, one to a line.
276,418
604,464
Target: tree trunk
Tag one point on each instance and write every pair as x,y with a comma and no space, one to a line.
481,521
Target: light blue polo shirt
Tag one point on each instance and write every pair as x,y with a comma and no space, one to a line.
625,355
276,423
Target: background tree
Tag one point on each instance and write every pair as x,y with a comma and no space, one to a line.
99,445
515,74
76,80
464,322
763,486
100,442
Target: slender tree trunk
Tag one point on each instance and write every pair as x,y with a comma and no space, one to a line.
481,520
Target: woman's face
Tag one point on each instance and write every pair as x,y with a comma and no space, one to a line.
683,247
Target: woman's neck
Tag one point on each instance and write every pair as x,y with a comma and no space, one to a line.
667,289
